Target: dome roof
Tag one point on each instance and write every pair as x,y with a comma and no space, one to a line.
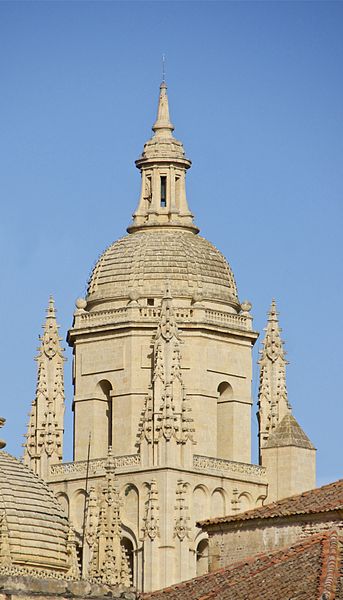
31,519
144,261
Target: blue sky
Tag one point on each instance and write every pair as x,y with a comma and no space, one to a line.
256,96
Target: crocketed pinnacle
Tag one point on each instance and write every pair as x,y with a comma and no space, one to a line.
109,562
167,418
44,438
273,399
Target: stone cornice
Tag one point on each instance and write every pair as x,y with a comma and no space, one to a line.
189,317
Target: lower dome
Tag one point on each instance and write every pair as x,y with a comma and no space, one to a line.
33,525
144,261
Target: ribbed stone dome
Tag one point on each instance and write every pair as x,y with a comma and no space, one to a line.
32,521
146,260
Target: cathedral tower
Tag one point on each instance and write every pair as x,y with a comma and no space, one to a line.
162,389
162,378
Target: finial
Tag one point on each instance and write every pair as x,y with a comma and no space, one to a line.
51,307
163,68
2,423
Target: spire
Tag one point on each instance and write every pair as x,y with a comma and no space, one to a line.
163,167
272,398
162,125
44,438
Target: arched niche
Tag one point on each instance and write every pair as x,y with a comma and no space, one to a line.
218,503
224,418
200,503
245,502
224,391
104,388
202,557
64,502
131,505
77,509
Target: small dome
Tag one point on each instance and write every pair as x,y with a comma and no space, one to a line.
31,518
146,260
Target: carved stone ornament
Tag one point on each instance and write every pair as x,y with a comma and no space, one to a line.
181,528
151,518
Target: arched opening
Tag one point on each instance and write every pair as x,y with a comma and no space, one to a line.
202,557
105,388
128,546
224,426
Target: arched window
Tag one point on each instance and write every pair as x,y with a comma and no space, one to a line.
202,557
128,546
224,425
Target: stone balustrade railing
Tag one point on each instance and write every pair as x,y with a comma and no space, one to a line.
152,313
95,465
223,318
220,465
201,463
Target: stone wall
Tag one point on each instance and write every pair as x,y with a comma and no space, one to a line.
30,588
237,541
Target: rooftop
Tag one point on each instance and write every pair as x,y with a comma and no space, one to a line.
324,499
289,433
309,569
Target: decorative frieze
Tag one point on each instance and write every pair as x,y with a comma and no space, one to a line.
96,465
219,465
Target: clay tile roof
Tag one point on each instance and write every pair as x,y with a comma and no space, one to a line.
289,433
324,499
311,569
